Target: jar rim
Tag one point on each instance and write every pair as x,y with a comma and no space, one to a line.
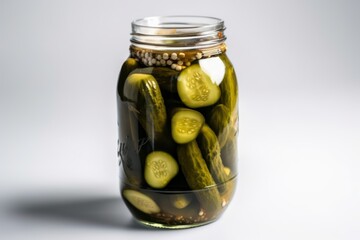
178,31
179,24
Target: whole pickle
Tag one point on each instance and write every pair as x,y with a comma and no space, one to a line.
228,87
220,122
198,177
128,144
129,65
210,150
144,97
229,153
166,77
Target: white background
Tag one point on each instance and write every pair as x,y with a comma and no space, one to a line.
298,66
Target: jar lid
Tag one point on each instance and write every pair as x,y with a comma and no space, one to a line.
178,32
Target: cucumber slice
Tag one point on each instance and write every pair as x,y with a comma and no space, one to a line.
196,89
141,201
160,168
186,124
180,201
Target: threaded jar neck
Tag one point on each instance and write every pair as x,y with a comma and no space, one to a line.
177,32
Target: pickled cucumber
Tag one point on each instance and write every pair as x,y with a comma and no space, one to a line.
210,150
180,201
196,89
141,201
160,168
219,121
166,77
129,65
198,177
186,124
127,148
144,97
229,88
229,153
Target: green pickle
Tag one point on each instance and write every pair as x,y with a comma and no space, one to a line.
128,154
220,122
165,77
129,65
144,96
177,140
228,87
198,177
210,150
229,152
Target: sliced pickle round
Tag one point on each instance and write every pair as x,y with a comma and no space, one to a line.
186,124
196,88
180,201
141,201
160,168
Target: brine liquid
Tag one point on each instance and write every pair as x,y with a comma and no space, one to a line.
143,106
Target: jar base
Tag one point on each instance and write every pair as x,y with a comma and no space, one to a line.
172,227
175,209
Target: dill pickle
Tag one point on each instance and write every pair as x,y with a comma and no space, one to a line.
129,65
196,88
198,177
128,144
160,168
210,150
229,153
144,97
219,121
186,124
165,77
228,87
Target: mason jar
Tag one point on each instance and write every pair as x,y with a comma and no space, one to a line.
177,102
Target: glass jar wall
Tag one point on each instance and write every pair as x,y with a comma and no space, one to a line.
177,99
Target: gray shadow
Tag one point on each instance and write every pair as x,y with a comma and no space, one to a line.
95,212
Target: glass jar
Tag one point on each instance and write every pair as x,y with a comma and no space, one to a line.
177,99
